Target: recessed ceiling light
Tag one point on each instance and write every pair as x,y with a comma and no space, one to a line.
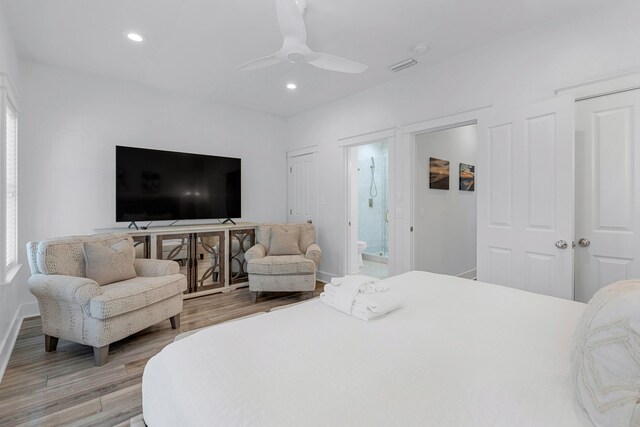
135,37
292,86
420,49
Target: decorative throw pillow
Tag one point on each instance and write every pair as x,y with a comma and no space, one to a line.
284,241
606,357
109,264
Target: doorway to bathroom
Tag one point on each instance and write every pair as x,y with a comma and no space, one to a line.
368,182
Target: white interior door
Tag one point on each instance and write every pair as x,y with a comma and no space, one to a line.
607,185
525,184
302,187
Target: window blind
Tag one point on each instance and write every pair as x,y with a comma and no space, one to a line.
11,232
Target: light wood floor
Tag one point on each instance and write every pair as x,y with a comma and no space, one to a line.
65,388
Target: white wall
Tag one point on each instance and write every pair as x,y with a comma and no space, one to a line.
9,293
71,123
516,70
445,220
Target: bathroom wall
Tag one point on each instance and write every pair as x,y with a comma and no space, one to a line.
372,227
445,220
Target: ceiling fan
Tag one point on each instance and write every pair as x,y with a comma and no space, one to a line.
294,47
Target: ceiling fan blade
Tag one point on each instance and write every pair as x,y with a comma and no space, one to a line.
259,63
291,21
335,63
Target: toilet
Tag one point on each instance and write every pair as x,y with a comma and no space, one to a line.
361,247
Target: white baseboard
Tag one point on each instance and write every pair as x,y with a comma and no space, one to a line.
471,274
6,347
324,276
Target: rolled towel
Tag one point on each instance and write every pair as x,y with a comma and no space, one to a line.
347,291
372,288
336,281
330,289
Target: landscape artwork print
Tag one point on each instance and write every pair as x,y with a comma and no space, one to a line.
438,174
467,177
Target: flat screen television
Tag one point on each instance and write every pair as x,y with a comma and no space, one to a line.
155,185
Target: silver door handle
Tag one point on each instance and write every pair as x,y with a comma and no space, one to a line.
584,242
562,244
309,221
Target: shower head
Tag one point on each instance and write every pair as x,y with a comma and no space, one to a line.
373,163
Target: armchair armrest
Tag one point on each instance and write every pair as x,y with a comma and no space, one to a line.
155,267
78,290
256,251
313,253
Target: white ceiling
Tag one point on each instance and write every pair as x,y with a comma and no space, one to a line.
193,46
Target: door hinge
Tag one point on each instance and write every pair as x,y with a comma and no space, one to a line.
411,229
290,211
290,169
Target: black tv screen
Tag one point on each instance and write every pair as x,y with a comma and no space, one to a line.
154,185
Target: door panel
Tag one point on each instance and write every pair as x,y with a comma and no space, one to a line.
525,198
302,188
606,186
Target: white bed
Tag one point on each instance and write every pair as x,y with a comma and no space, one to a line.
460,353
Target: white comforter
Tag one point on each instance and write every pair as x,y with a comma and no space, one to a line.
459,353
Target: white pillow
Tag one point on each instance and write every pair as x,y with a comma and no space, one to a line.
606,357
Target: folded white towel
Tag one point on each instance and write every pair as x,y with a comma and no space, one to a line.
357,312
346,292
361,278
366,306
380,303
367,288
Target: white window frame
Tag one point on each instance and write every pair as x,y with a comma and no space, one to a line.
8,99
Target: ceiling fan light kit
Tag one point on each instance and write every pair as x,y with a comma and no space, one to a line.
294,46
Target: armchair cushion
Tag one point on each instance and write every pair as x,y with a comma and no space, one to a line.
109,264
155,267
284,241
281,265
133,294
76,290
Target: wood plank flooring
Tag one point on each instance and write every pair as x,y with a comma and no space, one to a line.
65,388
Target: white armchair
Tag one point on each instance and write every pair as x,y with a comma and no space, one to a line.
283,273
78,309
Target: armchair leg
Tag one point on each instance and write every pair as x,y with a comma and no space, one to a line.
50,343
175,321
100,355
254,296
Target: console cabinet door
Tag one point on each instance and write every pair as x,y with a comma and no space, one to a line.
241,242
207,271
176,247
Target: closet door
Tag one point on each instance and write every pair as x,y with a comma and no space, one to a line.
302,188
525,184
607,185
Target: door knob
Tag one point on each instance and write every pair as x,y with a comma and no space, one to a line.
309,221
562,244
584,242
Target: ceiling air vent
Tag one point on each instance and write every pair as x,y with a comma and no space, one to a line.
403,65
